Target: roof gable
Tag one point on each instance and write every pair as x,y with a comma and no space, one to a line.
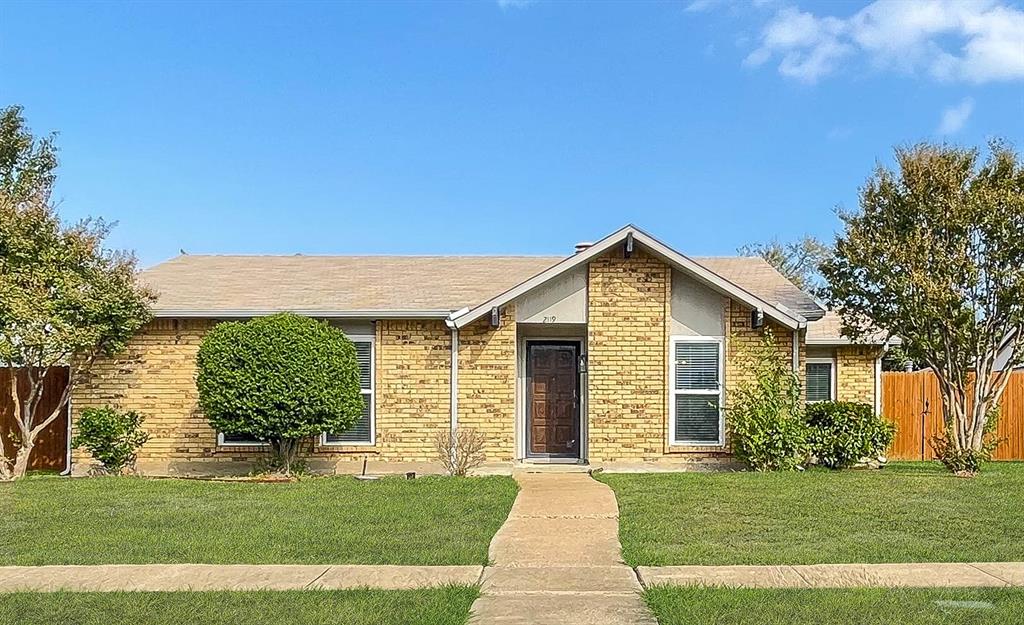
630,234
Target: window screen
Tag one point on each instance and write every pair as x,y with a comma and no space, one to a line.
819,381
696,392
362,430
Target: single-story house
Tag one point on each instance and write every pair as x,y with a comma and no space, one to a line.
621,354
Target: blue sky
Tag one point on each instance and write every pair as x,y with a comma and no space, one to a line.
495,127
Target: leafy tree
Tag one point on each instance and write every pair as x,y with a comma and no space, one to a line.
280,379
27,165
798,261
64,298
935,255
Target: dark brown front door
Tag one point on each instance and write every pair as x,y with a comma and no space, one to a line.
553,399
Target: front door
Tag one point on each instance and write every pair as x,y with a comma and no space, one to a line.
553,399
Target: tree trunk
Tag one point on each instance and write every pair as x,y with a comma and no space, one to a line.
21,460
285,450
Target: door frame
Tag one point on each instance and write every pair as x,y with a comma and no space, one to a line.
580,447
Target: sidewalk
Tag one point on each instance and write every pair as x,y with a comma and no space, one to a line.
110,577
557,559
923,575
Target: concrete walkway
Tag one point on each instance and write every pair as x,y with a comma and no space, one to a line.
557,559
921,575
111,577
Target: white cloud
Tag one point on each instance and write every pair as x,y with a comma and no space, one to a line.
514,4
954,117
954,40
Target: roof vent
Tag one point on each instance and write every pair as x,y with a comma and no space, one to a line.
582,245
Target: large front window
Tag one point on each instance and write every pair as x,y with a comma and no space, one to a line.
361,433
696,414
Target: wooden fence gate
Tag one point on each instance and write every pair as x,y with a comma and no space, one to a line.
913,401
51,448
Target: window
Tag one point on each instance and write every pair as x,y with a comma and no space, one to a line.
239,440
820,379
362,432
696,415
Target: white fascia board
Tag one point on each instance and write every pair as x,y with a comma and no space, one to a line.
326,314
701,273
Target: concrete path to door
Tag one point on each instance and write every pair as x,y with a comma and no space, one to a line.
557,559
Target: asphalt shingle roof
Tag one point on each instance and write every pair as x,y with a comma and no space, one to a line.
393,283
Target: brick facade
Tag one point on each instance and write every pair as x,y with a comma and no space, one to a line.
627,368
855,373
413,364
487,383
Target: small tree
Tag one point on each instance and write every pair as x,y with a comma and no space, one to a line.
935,255
280,379
798,261
112,437
765,414
461,451
64,299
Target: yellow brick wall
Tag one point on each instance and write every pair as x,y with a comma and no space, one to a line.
155,376
487,383
413,362
855,373
742,340
627,367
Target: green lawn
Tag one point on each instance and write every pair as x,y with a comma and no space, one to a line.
330,520
440,606
907,512
871,606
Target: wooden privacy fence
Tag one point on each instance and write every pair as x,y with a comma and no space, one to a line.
913,401
50,451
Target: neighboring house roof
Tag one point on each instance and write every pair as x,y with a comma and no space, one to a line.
829,331
425,286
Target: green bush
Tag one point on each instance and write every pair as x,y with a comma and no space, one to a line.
765,415
967,461
112,437
281,379
844,433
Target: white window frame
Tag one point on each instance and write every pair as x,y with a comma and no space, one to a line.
673,392
372,392
224,443
833,391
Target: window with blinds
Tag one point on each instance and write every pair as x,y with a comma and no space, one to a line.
361,433
240,440
818,380
696,392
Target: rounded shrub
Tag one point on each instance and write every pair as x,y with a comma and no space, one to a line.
844,433
112,437
281,379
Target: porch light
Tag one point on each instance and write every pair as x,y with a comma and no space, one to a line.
757,318
495,317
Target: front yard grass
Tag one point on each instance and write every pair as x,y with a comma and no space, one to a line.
327,520
865,606
437,606
906,512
